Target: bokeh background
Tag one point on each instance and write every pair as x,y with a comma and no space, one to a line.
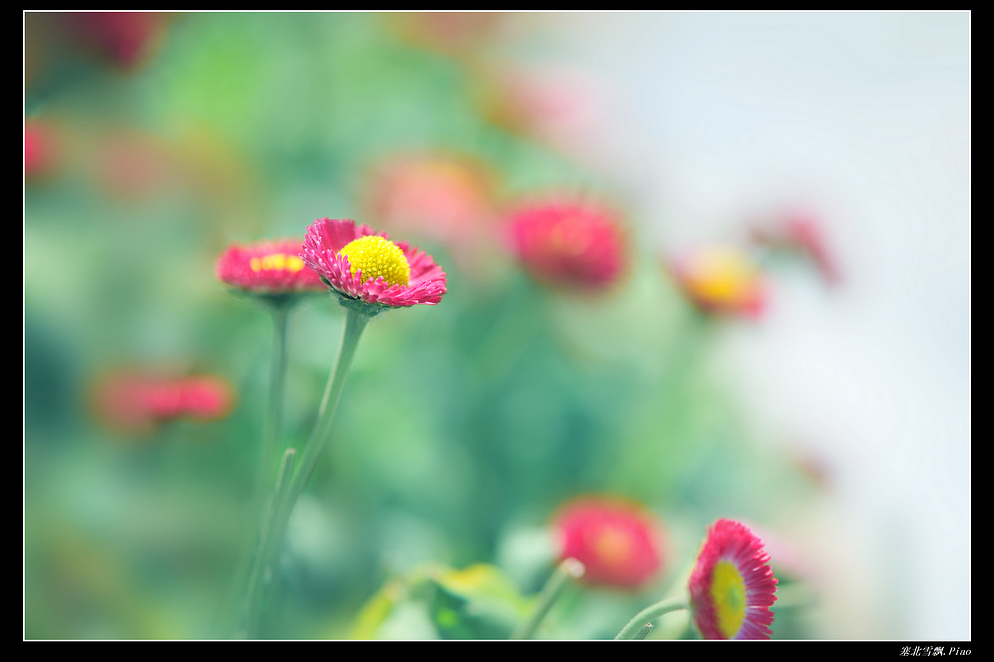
837,422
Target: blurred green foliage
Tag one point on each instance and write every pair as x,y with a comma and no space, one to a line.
462,426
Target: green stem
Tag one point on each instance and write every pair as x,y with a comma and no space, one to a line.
568,569
643,632
289,489
651,613
249,619
274,406
355,324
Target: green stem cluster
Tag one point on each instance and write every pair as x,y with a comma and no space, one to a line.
293,475
274,406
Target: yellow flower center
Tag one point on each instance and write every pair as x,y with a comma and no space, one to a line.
613,546
376,257
728,593
277,262
723,275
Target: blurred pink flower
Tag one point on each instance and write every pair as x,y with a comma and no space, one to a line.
363,265
732,586
442,197
451,33
268,267
618,541
562,107
721,280
801,233
570,245
133,164
124,37
136,402
40,149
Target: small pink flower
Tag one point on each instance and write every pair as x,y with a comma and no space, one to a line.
206,398
137,402
446,198
268,267
40,149
366,266
563,107
732,587
133,164
801,233
618,542
569,245
124,37
721,280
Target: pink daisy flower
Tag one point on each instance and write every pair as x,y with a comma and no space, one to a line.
362,265
570,245
267,267
618,542
732,586
721,280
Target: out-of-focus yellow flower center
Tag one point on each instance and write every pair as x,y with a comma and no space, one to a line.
277,262
723,275
376,257
728,594
570,237
613,546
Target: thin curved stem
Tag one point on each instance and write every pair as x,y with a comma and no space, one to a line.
355,324
649,614
251,608
291,484
567,570
274,405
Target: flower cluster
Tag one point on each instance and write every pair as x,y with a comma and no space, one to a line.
732,586
137,403
365,266
618,542
267,267
721,280
569,245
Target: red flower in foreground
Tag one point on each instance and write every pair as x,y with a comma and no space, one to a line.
137,403
617,541
363,265
268,267
569,245
721,280
732,586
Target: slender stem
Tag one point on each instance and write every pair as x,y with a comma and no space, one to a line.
643,632
274,407
568,569
651,613
252,604
355,324
291,484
